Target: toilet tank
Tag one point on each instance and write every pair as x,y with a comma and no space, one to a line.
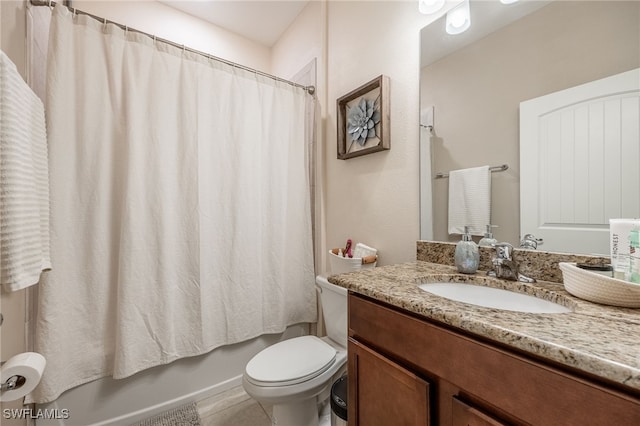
333,299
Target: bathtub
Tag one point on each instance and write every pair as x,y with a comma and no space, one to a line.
150,392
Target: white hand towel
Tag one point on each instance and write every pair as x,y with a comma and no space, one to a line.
24,182
469,200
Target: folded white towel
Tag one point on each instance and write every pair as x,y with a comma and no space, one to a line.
24,182
469,200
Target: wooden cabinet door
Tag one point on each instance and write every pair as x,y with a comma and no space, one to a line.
382,392
466,415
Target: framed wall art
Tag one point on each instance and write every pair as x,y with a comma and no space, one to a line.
363,119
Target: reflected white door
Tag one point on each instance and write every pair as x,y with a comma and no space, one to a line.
580,163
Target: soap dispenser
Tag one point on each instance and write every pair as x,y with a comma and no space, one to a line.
488,240
467,256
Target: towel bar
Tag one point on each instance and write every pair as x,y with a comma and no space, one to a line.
501,168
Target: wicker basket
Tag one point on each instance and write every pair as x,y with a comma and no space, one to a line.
340,265
599,288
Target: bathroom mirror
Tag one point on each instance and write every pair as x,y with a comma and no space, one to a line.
472,84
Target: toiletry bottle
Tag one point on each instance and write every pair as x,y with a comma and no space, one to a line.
467,256
634,255
620,233
347,249
488,240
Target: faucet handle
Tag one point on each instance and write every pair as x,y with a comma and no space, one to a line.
503,250
529,241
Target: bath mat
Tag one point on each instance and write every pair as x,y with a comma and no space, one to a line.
186,415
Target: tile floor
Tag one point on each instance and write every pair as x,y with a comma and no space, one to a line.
233,408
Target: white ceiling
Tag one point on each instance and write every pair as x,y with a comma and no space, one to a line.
262,21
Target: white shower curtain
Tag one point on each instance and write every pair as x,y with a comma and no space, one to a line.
179,206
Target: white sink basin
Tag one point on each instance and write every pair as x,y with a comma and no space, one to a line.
495,298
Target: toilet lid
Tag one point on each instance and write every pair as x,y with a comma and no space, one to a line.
291,361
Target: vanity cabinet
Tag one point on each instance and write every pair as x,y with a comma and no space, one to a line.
407,370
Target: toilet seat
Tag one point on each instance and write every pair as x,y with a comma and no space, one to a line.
290,362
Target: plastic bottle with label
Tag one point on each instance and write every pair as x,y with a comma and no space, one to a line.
634,255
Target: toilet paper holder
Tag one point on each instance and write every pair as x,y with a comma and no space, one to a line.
20,375
13,383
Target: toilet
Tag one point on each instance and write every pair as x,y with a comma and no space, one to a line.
295,375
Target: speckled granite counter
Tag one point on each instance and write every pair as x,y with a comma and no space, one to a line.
600,340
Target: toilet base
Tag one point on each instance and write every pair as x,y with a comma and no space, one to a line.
299,413
324,409
301,404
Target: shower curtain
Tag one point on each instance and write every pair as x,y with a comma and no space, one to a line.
180,205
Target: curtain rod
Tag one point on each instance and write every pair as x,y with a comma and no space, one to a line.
500,168
310,89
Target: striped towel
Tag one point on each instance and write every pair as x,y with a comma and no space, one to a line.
24,182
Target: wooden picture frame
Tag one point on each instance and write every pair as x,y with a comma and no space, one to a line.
363,119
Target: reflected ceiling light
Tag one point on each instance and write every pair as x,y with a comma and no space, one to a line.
430,6
459,19
508,1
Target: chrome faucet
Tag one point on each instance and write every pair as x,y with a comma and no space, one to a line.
504,266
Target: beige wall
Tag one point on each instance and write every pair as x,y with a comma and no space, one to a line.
477,90
301,42
374,199
13,30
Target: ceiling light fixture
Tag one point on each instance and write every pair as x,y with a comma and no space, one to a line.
430,6
508,1
458,19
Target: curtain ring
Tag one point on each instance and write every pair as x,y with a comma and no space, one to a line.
74,12
50,6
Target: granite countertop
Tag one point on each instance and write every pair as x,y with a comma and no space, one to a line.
601,340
